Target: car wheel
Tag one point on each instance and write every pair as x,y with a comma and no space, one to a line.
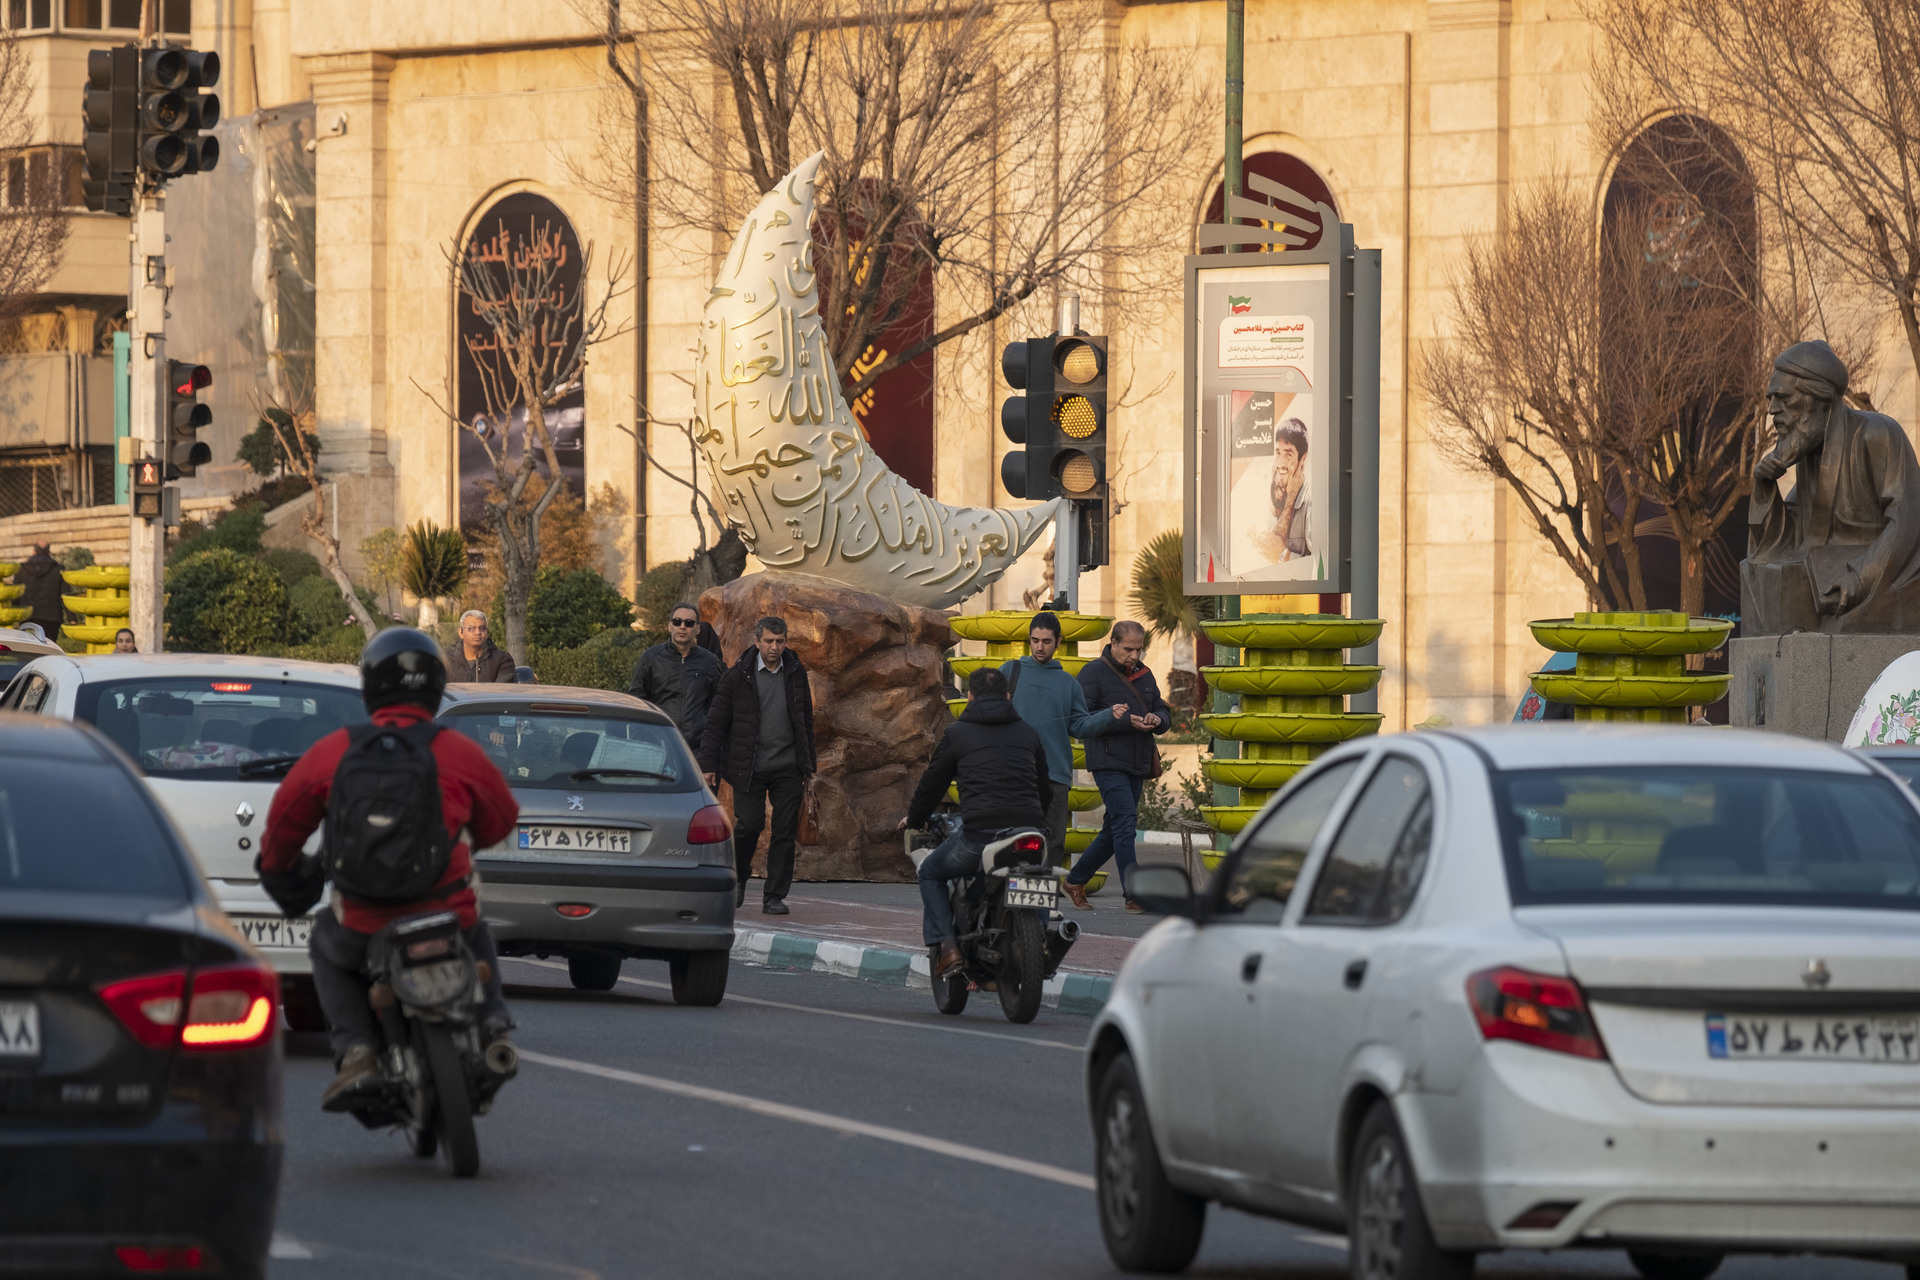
1387,1233
301,1005
699,977
1148,1223
593,971
1678,1266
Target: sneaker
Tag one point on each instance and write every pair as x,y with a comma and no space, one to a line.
1076,894
1134,907
359,1072
774,907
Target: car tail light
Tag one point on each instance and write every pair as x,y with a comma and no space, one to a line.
1029,843
709,826
1534,1008
150,1007
232,1007
574,910
165,1257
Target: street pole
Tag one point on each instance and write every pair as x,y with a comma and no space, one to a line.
1365,506
1229,606
1066,521
146,375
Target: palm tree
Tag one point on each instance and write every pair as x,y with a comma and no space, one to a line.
433,565
1160,599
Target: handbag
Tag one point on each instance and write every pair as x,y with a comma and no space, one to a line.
1156,766
810,812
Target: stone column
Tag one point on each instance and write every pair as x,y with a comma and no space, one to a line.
350,304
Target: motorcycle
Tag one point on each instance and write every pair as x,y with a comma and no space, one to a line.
1007,920
427,990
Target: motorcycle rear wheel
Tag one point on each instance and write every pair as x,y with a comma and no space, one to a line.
452,1108
1023,975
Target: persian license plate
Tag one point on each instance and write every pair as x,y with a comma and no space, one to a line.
274,931
551,840
19,1030
1828,1038
1032,891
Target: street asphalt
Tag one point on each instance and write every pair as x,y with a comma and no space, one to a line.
809,1126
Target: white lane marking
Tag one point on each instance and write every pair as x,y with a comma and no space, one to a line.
286,1247
1329,1242
838,1013
820,1119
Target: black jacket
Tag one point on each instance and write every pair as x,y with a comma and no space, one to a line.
40,574
1118,745
493,666
997,759
733,719
681,687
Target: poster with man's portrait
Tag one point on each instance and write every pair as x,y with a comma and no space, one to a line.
1266,452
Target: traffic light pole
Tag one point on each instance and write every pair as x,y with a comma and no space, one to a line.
146,375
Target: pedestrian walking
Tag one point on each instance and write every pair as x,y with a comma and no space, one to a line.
40,575
759,739
1051,700
679,676
1122,756
124,642
475,660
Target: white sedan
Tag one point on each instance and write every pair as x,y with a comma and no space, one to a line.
1533,987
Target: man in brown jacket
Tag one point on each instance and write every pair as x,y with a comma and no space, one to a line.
474,660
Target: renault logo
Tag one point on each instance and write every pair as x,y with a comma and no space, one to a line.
576,802
1817,974
244,813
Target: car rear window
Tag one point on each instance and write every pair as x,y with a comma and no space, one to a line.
208,727
71,827
554,748
1905,765
1709,835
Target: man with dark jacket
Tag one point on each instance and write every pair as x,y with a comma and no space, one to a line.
759,738
1005,785
678,676
1121,756
474,660
40,575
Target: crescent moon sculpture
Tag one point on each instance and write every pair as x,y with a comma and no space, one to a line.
795,472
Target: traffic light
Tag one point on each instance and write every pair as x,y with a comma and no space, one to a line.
203,72
185,416
1078,411
174,110
147,483
1028,368
111,149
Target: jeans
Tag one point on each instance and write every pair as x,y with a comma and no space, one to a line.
340,980
956,856
1121,792
785,789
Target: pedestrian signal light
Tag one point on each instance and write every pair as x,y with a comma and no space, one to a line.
148,480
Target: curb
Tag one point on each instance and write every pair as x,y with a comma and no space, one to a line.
1082,993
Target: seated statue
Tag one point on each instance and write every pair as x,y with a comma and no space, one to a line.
1841,552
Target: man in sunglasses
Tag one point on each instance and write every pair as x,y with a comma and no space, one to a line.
679,676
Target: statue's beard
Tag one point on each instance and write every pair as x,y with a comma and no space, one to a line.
1800,441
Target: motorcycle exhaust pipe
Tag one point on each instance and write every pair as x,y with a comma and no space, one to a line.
1069,930
501,1058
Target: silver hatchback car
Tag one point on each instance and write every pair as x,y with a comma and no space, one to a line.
620,849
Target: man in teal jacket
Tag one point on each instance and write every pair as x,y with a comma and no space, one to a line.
1049,698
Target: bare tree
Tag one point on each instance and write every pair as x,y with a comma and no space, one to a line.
1821,100
1596,374
292,426
531,358
34,223
962,139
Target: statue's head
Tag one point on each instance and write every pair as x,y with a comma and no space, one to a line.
1807,379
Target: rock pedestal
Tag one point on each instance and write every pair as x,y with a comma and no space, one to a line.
878,710
1809,683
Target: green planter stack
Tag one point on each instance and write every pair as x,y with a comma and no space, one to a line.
1631,667
11,615
1292,683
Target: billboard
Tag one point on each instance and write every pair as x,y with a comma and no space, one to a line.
1269,420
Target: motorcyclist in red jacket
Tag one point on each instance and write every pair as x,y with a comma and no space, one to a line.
402,677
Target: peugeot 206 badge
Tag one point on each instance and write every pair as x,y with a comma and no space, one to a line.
576,802
1817,974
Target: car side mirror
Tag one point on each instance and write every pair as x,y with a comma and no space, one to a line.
1165,890
523,675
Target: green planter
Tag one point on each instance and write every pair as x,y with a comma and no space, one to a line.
1631,667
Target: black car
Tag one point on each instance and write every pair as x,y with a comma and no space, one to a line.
139,1061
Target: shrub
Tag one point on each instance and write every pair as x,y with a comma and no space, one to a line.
239,530
317,610
570,606
659,589
292,566
344,646
75,558
1159,805
224,602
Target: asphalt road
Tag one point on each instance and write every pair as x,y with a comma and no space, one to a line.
810,1126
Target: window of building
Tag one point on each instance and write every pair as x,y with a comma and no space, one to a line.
176,16
41,176
29,15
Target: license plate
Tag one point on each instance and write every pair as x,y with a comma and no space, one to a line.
19,1029
1859,1038
1032,891
274,931
540,839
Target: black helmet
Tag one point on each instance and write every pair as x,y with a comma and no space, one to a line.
400,665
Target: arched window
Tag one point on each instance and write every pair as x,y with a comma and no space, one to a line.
1287,169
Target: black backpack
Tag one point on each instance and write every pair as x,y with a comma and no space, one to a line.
386,840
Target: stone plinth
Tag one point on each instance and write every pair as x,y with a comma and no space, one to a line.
1807,683
878,710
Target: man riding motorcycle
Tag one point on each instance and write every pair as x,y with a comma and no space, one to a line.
1001,766
402,677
